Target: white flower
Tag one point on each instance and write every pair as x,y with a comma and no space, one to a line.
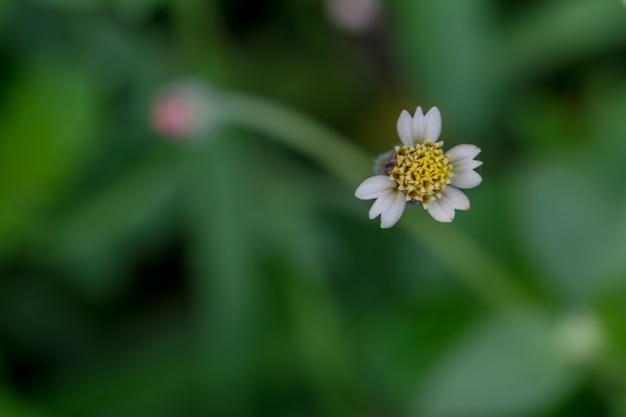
420,173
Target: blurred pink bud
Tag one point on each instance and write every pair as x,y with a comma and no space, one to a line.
356,16
182,110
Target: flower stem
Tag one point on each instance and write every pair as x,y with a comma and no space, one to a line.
472,265
299,133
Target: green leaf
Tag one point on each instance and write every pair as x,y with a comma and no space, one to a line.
46,130
150,377
505,366
100,234
450,51
401,349
14,407
605,153
5,10
567,226
558,33
73,5
136,9
225,273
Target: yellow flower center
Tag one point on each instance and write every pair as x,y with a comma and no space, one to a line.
422,171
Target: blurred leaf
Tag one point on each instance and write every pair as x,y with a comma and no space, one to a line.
505,366
136,9
225,274
199,32
547,122
558,33
403,338
113,55
149,380
449,49
320,338
46,129
605,153
229,279
10,406
35,316
102,233
618,401
567,226
72,5
5,10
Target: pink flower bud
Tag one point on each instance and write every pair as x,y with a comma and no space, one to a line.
182,110
356,16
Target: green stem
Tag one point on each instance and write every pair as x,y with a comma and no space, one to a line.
299,133
479,272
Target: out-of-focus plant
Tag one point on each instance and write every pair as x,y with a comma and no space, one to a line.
234,273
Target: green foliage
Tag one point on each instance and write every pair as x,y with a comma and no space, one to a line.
233,273
568,230
505,366
49,121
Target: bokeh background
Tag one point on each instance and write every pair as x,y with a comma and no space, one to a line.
151,271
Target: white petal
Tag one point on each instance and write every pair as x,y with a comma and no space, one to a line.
457,198
462,152
382,203
467,165
394,211
441,211
418,127
433,125
374,187
404,128
466,179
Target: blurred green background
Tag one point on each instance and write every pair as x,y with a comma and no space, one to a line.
228,273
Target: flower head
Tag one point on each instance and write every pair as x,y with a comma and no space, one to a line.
356,16
419,172
183,110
